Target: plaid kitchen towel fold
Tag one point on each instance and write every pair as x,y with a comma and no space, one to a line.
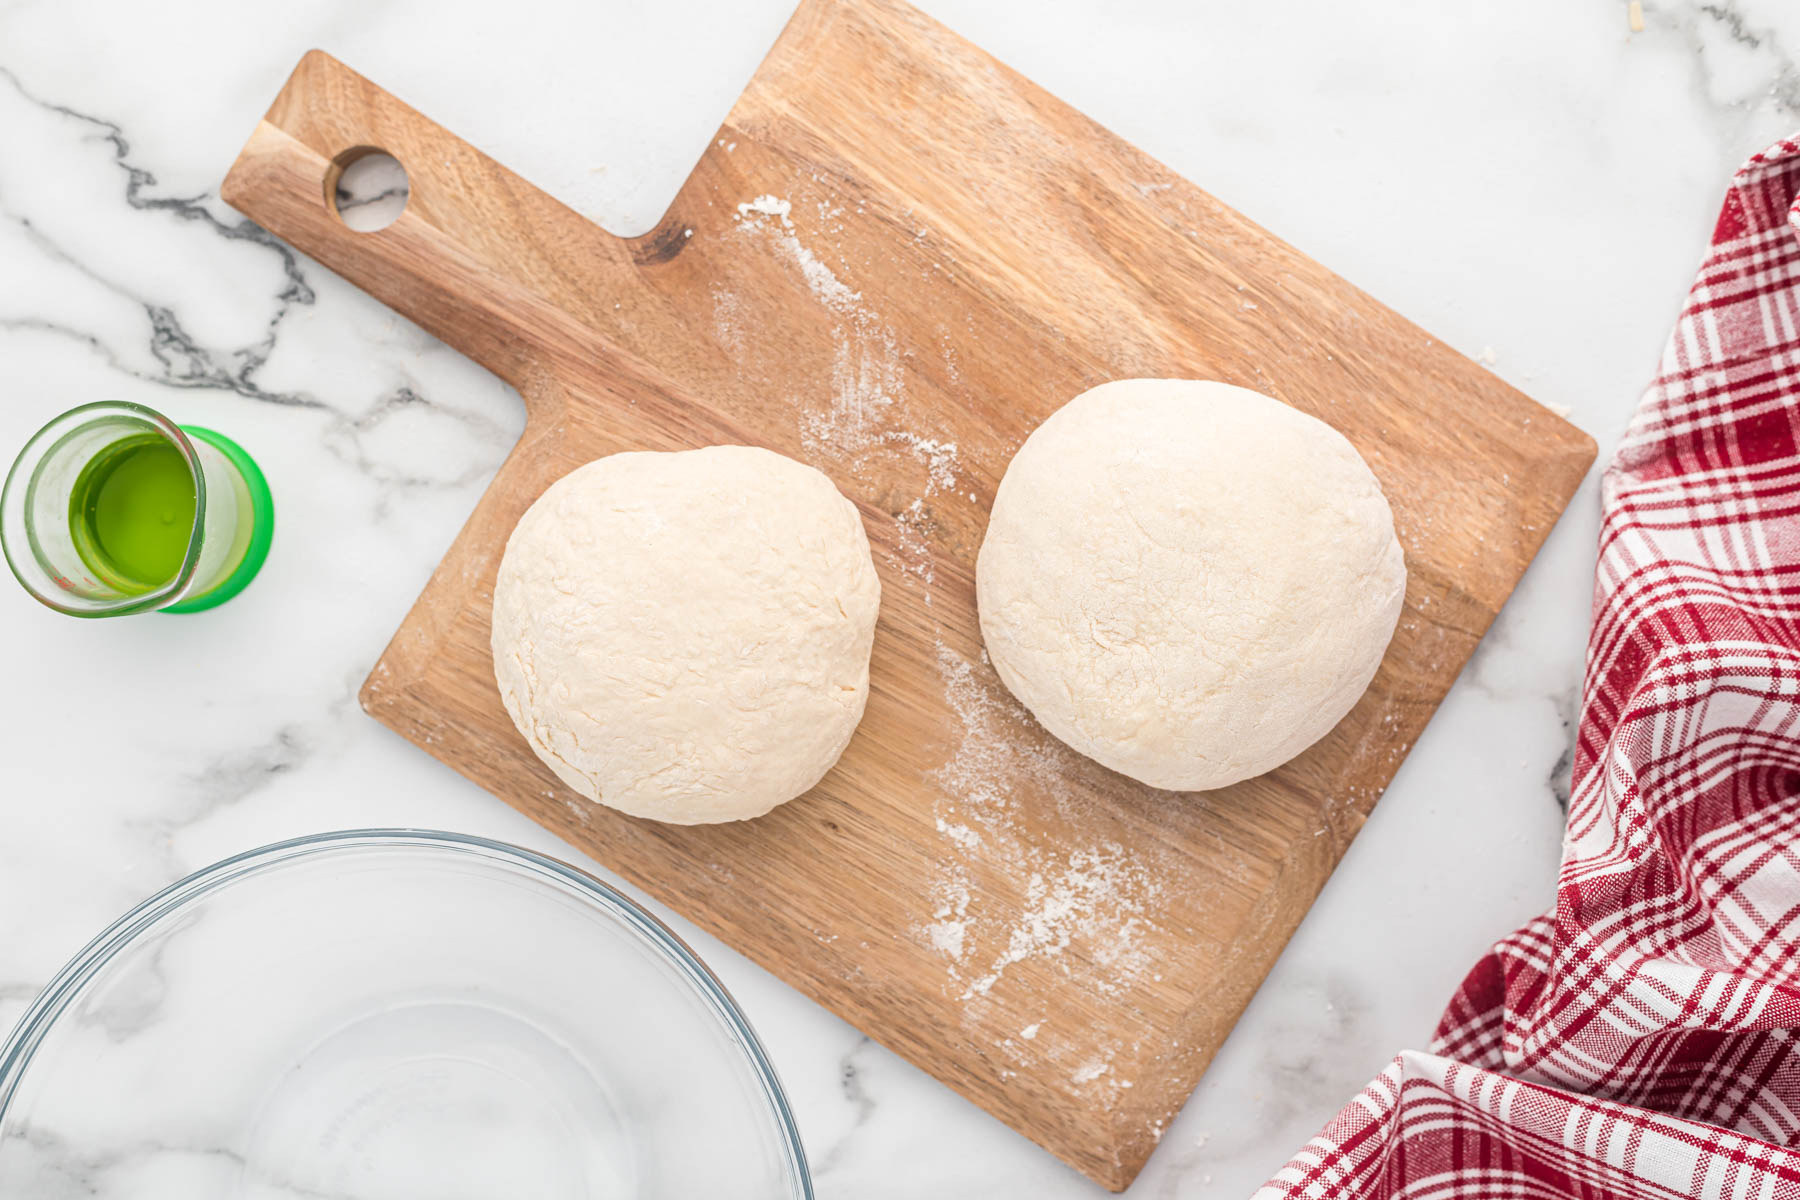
1641,1038
1429,1126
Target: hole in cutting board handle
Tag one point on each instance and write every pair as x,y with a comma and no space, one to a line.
367,188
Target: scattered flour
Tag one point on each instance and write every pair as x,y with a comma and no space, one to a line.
962,835
867,383
1030,1031
1099,898
983,764
1089,1071
912,539
950,912
823,282
770,206
939,458
947,937
728,321
1095,896
866,379
832,292
952,368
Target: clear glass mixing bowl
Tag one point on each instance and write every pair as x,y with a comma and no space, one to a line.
391,1015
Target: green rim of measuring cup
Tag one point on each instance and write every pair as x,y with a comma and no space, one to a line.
262,529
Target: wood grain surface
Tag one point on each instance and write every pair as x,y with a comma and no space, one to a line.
896,258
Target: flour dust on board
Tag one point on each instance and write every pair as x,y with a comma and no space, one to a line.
866,403
1093,903
1087,907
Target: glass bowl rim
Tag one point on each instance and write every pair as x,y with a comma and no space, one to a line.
21,1045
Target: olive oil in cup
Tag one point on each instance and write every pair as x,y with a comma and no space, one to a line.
114,509
131,512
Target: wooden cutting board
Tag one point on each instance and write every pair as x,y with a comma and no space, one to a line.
896,258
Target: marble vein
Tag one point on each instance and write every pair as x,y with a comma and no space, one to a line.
854,1087
169,343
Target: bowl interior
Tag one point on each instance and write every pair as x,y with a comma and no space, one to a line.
390,1015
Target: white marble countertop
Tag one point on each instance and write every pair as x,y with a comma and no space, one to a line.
1531,181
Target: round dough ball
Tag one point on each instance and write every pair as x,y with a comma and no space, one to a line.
686,636
1188,582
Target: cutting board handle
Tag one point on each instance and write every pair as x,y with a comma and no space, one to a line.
452,261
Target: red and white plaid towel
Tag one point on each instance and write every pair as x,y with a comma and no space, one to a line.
1643,1039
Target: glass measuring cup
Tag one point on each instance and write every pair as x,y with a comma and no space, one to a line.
112,509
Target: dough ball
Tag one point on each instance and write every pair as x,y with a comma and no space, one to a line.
686,636
1188,582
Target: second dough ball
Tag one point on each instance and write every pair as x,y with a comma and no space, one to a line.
1189,582
686,636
